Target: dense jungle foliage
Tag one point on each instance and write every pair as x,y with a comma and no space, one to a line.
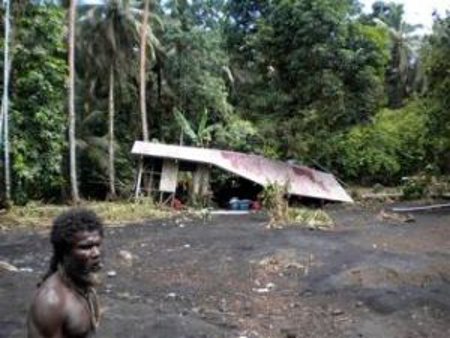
317,82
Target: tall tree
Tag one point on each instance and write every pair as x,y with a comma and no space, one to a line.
309,66
197,66
403,50
151,51
40,62
437,66
5,106
71,103
112,35
147,38
142,71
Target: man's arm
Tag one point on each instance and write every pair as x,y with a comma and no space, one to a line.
46,316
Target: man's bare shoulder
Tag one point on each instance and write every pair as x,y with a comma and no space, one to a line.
48,308
51,294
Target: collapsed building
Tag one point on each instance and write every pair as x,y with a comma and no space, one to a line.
161,172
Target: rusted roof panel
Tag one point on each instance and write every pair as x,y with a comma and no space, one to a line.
302,181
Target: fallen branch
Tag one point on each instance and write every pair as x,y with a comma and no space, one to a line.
382,195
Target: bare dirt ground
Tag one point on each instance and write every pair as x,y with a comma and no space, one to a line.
232,277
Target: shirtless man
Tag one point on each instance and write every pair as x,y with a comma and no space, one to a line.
65,304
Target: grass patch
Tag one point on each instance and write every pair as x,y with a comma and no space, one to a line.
39,215
316,219
313,219
282,215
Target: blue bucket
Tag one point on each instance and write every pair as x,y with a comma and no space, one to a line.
234,203
244,204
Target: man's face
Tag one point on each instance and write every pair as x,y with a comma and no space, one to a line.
84,261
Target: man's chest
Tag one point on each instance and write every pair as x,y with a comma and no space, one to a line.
79,323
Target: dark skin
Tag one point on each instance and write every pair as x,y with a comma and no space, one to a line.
58,310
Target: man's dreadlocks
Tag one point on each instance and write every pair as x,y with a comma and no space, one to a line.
64,228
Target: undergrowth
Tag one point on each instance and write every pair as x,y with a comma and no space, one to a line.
281,215
39,215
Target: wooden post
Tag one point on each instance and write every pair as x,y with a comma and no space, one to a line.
196,182
200,182
137,190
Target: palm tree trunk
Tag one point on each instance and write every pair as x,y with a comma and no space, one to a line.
6,78
112,174
5,104
143,95
142,72
71,87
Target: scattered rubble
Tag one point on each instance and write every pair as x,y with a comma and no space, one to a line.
395,217
126,257
8,267
29,270
337,312
269,287
172,295
285,261
111,273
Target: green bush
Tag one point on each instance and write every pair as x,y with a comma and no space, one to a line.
37,113
426,184
391,146
414,188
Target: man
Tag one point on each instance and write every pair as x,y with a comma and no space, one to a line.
65,304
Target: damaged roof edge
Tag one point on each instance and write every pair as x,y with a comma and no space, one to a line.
302,181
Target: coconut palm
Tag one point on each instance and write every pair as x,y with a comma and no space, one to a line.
113,32
71,89
148,40
110,38
5,102
142,72
404,47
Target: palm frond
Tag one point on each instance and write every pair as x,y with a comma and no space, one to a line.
185,125
99,157
93,117
81,144
157,19
100,142
203,121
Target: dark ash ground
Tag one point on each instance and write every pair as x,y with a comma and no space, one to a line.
233,277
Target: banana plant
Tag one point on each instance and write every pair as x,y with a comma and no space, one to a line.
201,137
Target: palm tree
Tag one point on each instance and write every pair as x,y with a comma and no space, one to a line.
94,147
150,40
403,49
71,89
112,31
5,102
142,72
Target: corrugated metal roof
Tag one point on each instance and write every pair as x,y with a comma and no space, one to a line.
301,180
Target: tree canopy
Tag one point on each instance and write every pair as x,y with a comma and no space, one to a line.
314,81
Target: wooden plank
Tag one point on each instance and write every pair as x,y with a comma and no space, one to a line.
421,208
382,195
169,176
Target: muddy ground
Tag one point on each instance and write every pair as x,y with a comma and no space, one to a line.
232,277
